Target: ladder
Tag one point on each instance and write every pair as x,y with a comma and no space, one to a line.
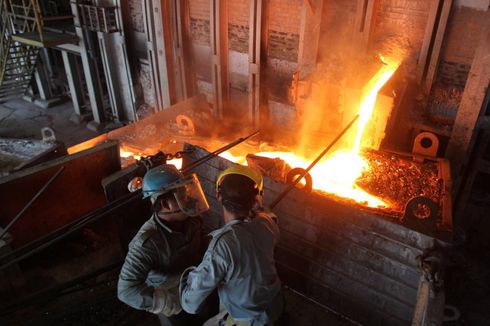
22,24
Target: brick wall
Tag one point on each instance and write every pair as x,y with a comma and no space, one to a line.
460,43
199,9
199,21
136,12
238,12
238,15
284,28
285,15
337,26
400,28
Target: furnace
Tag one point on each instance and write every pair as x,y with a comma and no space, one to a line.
369,119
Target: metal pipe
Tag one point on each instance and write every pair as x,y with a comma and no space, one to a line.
59,234
308,169
26,207
217,152
40,244
45,294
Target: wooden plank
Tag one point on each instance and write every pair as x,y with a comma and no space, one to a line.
471,103
436,48
76,192
422,62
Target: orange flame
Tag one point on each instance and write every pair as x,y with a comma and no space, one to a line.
128,154
337,174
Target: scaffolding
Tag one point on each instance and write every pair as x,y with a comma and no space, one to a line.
27,26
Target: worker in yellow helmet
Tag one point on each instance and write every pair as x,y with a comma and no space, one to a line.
239,261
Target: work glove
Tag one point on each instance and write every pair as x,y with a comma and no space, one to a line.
165,302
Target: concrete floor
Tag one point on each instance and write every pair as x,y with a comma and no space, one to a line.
22,119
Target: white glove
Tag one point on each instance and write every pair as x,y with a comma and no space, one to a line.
165,302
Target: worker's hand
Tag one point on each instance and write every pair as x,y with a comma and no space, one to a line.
165,302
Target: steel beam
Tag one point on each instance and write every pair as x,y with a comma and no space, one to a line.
254,42
69,61
219,55
89,68
176,30
471,103
311,16
160,59
436,48
432,43
116,68
365,21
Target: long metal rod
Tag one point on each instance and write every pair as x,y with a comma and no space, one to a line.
308,169
59,234
46,294
36,196
217,152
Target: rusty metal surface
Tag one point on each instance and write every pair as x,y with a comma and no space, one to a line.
16,154
160,131
398,179
359,261
76,192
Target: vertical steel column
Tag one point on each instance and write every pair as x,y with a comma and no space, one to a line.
69,61
41,75
431,46
89,69
436,48
255,26
311,17
175,20
116,67
110,75
189,72
364,23
160,56
219,54
471,103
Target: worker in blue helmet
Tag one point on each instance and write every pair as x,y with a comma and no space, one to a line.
170,241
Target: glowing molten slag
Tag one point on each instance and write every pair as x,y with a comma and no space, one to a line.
128,154
337,174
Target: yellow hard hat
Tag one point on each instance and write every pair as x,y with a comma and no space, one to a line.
246,171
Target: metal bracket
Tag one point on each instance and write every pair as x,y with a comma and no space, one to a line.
421,214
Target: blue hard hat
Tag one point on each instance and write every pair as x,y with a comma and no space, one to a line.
159,178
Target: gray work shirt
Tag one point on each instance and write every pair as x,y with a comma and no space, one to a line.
240,263
155,255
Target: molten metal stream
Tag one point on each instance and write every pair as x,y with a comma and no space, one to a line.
338,172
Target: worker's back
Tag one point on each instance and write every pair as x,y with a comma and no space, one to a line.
251,287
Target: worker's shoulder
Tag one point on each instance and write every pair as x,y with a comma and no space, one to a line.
148,231
221,237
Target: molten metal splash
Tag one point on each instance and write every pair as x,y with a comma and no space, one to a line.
129,155
337,174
